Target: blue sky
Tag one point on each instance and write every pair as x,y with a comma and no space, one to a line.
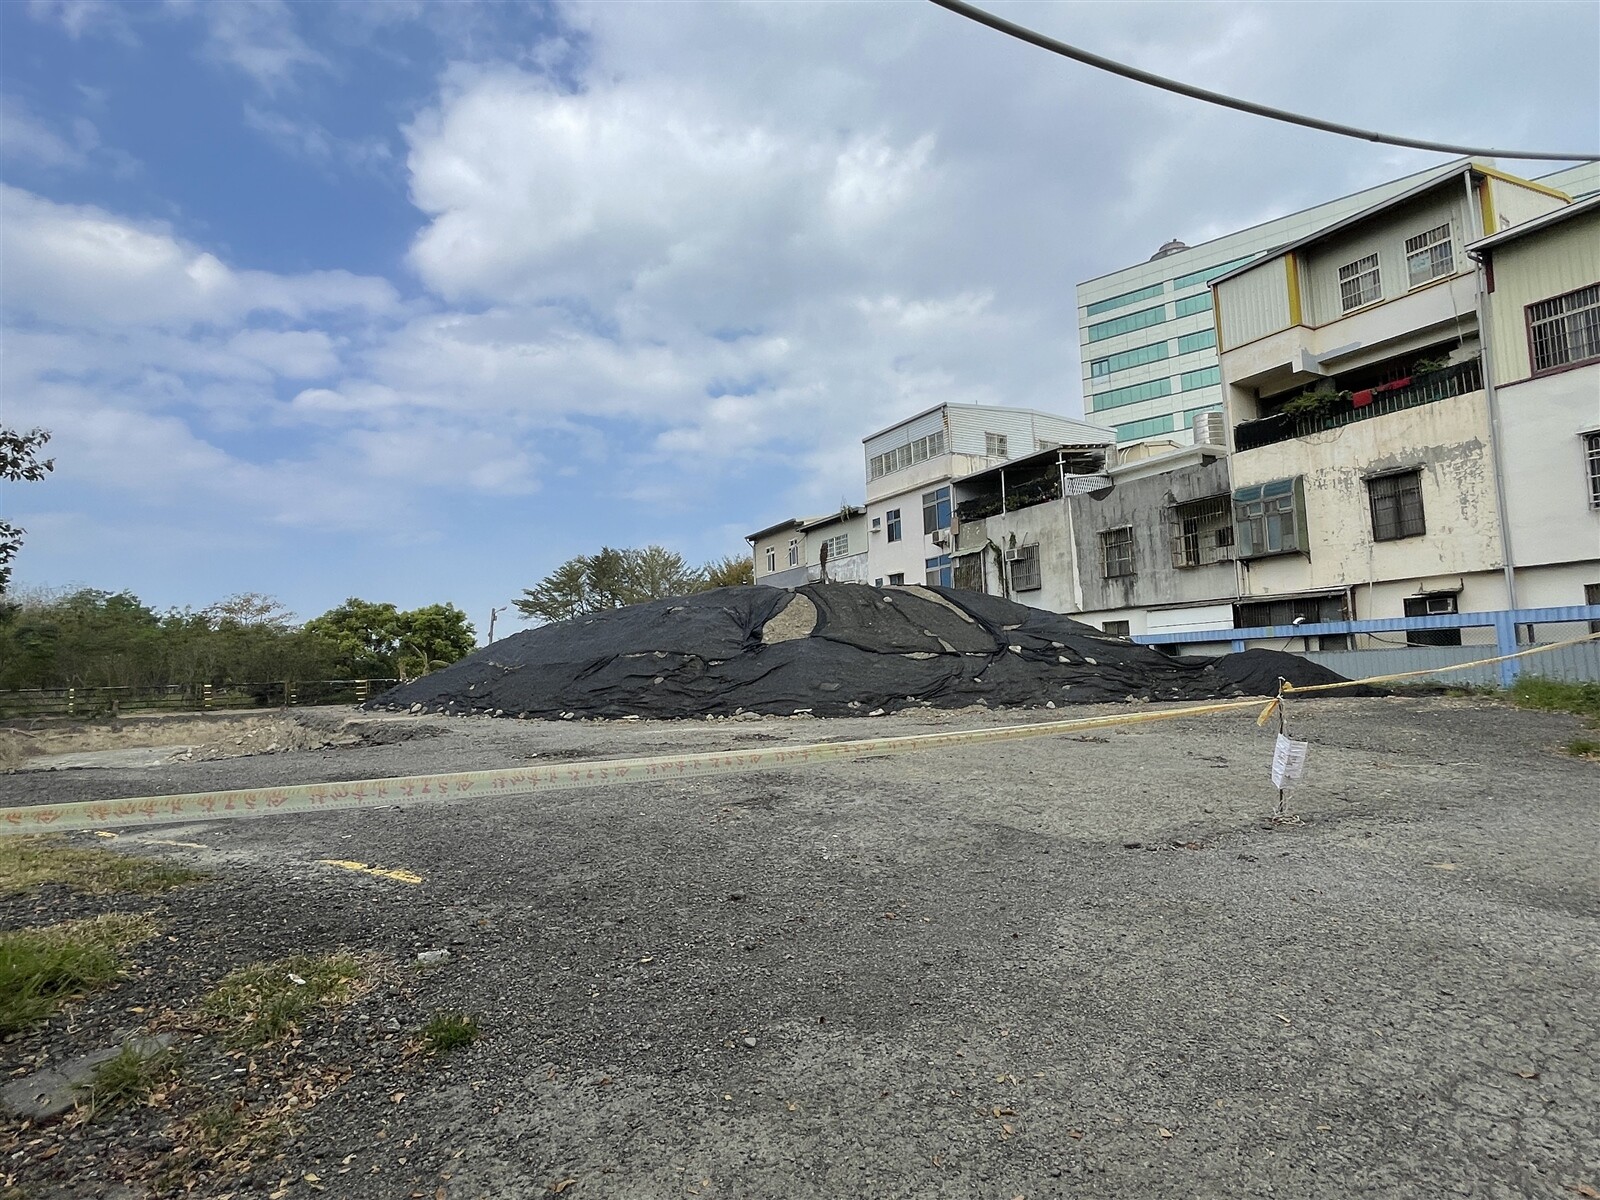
413,302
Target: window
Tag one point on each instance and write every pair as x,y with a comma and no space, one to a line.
1432,604
1192,304
1115,398
1591,595
1190,342
1116,628
940,573
1201,378
772,559
1116,552
898,579
794,552
893,517
1142,319
878,582
1137,357
936,510
1591,459
1269,518
1144,428
1281,614
920,450
1025,575
1359,284
1429,256
1565,330
1207,274
994,445
1396,502
1201,531
837,547
1127,298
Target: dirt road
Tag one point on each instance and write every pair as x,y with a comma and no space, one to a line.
1079,966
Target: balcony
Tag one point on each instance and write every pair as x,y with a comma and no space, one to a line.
1457,380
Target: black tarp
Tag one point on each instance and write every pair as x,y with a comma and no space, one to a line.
868,649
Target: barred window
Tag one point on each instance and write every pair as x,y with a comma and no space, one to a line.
1396,502
1116,552
1201,531
1565,330
1429,255
1025,574
1116,628
901,457
1359,283
1591,458
994,445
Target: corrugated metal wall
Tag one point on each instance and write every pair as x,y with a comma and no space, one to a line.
900,435
1551,264
1385,237
1254,304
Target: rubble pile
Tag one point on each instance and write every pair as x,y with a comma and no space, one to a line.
840,649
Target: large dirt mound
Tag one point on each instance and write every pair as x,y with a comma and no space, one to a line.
827,649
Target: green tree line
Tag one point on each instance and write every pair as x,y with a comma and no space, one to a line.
612,578
93,638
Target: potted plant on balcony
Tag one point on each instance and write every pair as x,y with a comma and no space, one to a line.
1318,401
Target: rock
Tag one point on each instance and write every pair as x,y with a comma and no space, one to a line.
749,1043
432,958
416,708
51,1091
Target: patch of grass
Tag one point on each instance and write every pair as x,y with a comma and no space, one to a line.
1555,695
266,1001
1583,748
450,1031
27,862
40,969
129,1078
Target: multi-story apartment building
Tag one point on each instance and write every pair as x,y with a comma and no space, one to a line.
910,466
1542,301
801,549
1146,333
1365,460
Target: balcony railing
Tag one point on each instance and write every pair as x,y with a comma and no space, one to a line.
1457,380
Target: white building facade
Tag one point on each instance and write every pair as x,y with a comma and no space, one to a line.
1146,334
1542,284
909,469
801,549
1364,462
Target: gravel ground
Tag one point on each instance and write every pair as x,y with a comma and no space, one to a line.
1082,965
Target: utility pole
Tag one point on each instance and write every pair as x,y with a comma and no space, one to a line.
493,613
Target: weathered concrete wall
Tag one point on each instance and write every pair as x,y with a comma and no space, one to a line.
1447,440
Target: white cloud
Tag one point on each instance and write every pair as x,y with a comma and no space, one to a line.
81,17
82,265
257,37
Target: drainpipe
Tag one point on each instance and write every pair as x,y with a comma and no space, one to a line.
1486,361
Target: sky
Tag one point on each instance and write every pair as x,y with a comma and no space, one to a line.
414,302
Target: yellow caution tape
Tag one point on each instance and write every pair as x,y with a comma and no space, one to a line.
536,780
1482,662
524,781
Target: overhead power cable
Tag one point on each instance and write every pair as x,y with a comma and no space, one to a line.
1025,34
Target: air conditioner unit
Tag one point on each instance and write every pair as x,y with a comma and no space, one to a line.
942,538
1017,554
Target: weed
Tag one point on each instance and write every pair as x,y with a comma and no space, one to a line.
450,1031
267,1000
40,969
1555,695
128,1078
27,862
1583,748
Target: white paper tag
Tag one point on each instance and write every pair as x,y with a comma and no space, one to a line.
1288,761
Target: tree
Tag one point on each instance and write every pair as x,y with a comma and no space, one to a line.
729,571
19,463
433,637
363,638
378,641
608,579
